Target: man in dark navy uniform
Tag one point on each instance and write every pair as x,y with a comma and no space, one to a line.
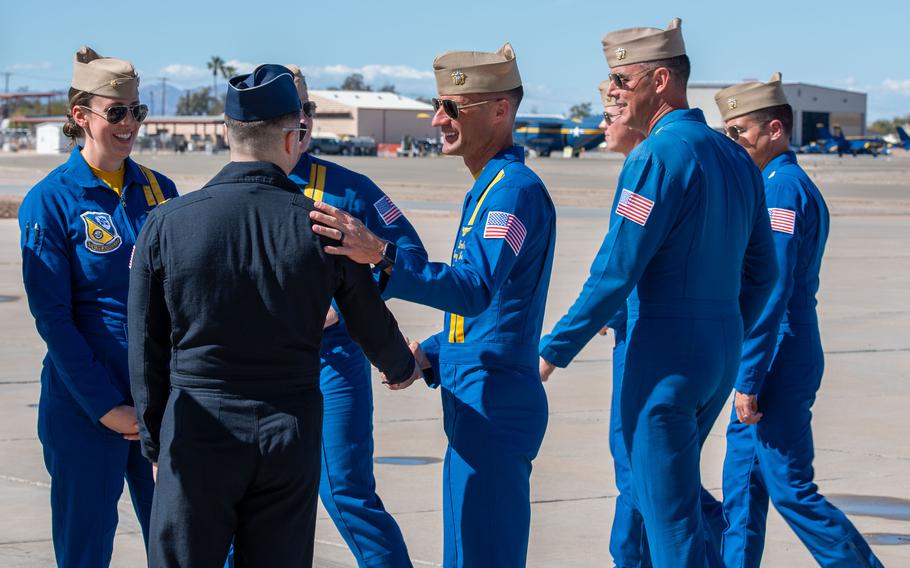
228,295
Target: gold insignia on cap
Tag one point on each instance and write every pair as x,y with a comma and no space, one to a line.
620,54
458,77
731,103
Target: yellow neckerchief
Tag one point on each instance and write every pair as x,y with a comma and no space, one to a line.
114,180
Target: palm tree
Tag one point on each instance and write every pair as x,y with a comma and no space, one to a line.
215,65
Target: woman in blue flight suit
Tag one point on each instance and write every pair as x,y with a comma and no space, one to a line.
78,226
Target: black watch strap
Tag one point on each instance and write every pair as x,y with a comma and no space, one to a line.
388,256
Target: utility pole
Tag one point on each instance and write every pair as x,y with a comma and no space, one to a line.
6,75
163,96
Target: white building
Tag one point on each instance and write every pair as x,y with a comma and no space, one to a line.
813,105
387,117
49,138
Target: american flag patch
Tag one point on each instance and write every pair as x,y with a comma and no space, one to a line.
634,207
387,210
502,225
782,220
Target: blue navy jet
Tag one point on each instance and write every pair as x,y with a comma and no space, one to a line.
545,134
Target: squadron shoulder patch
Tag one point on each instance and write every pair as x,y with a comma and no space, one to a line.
782,220
634,207
101,235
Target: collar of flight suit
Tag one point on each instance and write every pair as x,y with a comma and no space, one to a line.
494,166
254,172
691,114
302,169
777,162
82,174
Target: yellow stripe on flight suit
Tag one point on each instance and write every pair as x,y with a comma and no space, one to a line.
315,188
456,322
153,195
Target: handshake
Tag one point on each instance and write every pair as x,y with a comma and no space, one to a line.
422,368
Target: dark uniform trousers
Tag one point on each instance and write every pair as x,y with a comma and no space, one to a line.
271,447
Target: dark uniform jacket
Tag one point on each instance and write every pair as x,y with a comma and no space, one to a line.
229,289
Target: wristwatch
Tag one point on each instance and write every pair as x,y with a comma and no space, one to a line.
388,256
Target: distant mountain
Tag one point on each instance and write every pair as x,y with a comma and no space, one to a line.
150,94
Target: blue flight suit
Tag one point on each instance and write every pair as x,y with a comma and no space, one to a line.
782,362
77,236
690,246
628,540
485,359
347,486
628,543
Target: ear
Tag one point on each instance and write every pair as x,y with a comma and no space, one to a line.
502,110
290,141
80,117
776,128
661,78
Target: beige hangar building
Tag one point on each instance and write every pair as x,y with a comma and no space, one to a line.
386,117
813,105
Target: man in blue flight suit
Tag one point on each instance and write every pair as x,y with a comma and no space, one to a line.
494,291
690,240
228,295
769,439
78,227
628,543
347,486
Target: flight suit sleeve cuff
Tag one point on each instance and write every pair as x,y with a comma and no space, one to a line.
554,357
400,281
100,405
749,382
430,347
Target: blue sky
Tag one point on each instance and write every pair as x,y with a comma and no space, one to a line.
859,45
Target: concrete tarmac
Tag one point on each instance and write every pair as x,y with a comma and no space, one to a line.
862,451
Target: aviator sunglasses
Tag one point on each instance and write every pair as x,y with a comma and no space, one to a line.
734,132
622,81
610,118
309,109
117,113
301,131
451,108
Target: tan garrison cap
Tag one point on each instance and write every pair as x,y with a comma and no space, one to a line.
604,88
638,45
749,97
470,72
299,80
104,76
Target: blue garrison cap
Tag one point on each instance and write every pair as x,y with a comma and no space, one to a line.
265,93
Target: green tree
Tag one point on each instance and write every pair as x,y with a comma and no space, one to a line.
198,102
581,110
886,126
216,66
354,82
387,88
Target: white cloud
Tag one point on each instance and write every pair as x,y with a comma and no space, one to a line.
183,72
241,66
370,72
29,66
899,86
